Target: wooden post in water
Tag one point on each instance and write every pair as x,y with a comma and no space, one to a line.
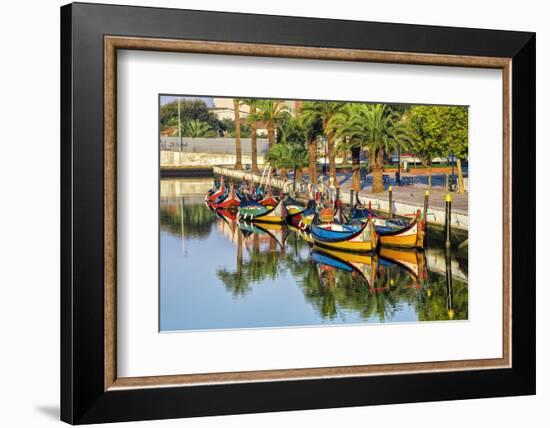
448,221
425,214
390,191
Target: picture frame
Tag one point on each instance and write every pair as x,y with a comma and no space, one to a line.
91,392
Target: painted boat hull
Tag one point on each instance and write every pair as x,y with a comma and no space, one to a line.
411,236
274,215
344,237
391,232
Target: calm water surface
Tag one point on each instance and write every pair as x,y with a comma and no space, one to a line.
217,274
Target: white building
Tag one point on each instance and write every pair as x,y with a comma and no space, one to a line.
223,108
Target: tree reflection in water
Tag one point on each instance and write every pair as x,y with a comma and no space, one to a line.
376,287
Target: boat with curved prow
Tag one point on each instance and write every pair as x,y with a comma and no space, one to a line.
231,202
393,232
410,236
347,237
262,214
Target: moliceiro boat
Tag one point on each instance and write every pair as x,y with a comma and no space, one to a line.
231,202
262,214
347,237
410,236
393,231
301,217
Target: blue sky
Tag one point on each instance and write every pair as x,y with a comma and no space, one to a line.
165,99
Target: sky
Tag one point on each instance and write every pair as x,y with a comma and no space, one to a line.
165,99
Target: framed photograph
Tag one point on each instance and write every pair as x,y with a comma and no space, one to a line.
266,213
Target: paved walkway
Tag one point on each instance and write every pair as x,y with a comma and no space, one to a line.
409,194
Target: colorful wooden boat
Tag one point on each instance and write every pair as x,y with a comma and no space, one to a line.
411,236
292,206
216,191
218,198
215,188
262,214
269,201
347,237
231,202
392,231
303,219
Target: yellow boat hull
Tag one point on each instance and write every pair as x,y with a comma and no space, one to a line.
293,210
348,246
269,219
410,238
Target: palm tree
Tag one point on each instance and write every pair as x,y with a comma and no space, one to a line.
325,111
271,112
279,157
251,119
343,127
238,148
376,127
312,128
196,129
299,159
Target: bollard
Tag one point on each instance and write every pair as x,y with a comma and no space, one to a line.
448,221
425,215
370,209
390,191
449,281
351,198
337,195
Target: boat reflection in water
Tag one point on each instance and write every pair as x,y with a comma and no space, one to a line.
218,272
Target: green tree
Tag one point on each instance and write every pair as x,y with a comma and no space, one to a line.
312,128
325,111
279,157
375,127
438,131
271,112
299,159
343,129
196,129
238,147
251,122
189,110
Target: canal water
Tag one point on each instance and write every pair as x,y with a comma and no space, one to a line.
218,274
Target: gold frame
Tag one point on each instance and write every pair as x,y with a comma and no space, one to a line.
113,43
